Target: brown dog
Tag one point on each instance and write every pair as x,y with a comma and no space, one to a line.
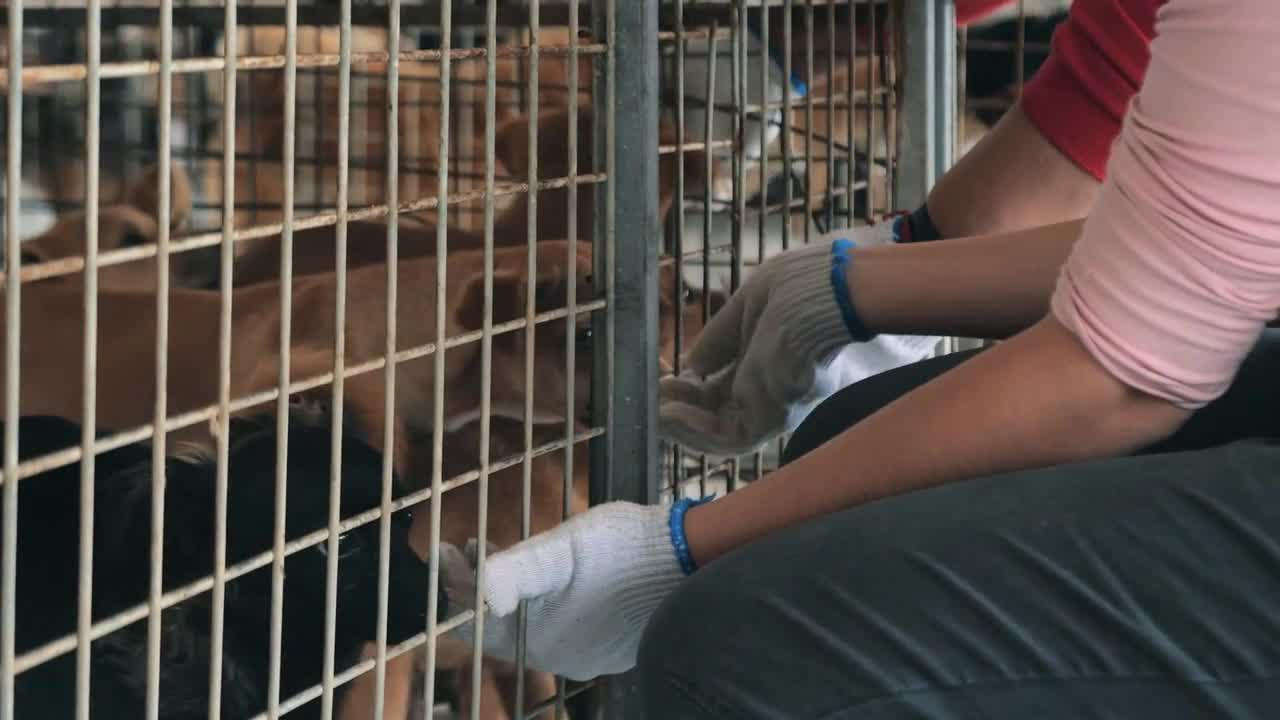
131,223
50,351
314,249
459,518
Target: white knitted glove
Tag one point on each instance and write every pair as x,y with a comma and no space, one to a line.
777,349
591,585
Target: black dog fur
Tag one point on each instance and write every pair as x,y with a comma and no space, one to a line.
48,561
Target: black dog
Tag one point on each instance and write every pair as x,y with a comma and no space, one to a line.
48,532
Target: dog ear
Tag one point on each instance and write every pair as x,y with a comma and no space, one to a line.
143,194
510,293
511,146
553,144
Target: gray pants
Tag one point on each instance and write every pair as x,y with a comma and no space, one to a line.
1139,587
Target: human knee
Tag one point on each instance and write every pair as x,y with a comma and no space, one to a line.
680,658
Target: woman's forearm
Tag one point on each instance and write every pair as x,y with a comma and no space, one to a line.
989,287
1039,399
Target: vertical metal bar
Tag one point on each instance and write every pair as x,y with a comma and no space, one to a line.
830,131
788,192
765,111
13,338
944,76
438,357
633,281
339,357
604,24
763,219
924,125
738,166
808,122
709,116
158,450
486,343
889,102
1020,49
962,50
89,369
872,59
389,371
530,335
741,42
677,452
851,174
224,363
571,321
282,376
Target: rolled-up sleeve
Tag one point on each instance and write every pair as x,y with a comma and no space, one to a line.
1178,267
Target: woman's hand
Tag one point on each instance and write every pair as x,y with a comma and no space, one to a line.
591,585
781,345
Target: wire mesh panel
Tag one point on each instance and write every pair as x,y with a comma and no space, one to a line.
783,121
297,292
996,56
294,294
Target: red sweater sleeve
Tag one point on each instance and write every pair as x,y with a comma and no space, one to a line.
1099,57
969,10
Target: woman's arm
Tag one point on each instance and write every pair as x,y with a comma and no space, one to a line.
1176,272
991,286
1039,399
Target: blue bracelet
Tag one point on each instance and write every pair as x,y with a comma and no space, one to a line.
840,286
678,539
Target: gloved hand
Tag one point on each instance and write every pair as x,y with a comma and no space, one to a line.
591,585
778,348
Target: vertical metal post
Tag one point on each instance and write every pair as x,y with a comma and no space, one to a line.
282,376
13,337
89,368
632,284
160,411
926,123
927,114
389,351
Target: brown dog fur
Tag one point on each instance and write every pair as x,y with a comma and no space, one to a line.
131,223
126,370
314,249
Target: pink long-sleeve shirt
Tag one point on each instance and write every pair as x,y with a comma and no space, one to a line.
1178,267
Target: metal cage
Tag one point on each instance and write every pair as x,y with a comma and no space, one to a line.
154,148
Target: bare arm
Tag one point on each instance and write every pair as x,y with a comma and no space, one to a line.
990,287
1175,273
1036,400
1013,178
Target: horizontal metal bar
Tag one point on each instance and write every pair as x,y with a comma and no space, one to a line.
35,75
72,265
102,628
425,14
549,704
694,146
62,458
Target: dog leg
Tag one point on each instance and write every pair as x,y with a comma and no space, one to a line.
492,704
358,703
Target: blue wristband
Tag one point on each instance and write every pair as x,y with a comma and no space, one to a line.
798,85
840,286
678,541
